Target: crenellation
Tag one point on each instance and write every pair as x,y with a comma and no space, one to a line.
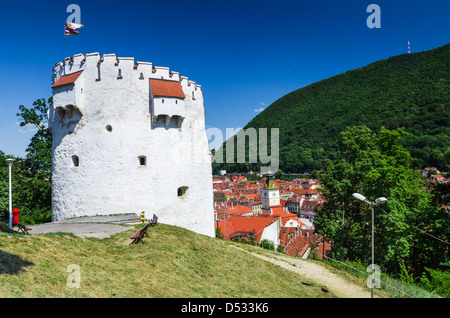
110,55
110,66
108,60
175,76
58,70
144,63
160,72
130,59
126,64
144,68
91,57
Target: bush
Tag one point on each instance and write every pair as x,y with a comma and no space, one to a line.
437,281
31,194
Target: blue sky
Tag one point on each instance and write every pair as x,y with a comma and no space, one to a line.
245,54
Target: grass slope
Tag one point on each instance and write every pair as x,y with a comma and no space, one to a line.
173,262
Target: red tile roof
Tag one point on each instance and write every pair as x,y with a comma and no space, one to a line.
166,88
284,215
246,224
304,191
67,79
296,242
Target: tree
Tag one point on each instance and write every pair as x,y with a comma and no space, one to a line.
31,177
375,165
39,152
278,174
31,194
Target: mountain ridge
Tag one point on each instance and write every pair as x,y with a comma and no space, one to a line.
408,90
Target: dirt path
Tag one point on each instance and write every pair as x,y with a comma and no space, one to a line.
337,285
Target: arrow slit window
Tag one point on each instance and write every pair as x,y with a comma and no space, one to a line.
75,161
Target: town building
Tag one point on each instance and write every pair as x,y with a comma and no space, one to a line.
293,233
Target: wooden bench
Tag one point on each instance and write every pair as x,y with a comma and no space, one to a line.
154,221
139,235
23,228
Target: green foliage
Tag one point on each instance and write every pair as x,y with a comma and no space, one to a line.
267,244
313,246
437,280
376,165
405,276
31,193
248,238
31,176
39,151
410,91
278,174
219,233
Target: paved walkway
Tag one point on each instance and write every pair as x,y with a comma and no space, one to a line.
339,286
95,226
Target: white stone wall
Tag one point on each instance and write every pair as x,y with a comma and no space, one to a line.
109,178
272,233
292,223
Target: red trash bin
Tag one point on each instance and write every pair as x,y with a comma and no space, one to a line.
15,219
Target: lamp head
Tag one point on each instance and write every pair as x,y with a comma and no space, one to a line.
361,197
380,200
9,161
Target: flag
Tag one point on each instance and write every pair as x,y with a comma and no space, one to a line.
71,28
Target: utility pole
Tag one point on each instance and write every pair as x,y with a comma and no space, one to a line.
10,162
372,204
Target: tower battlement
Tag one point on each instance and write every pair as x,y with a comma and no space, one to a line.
92,73
79,62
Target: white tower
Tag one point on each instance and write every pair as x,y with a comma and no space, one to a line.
129,137
270,194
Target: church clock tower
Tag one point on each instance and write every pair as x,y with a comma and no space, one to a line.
270,194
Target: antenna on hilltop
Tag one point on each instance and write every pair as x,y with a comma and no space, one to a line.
409,47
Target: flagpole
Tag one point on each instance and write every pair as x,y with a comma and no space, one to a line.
64,50
69,29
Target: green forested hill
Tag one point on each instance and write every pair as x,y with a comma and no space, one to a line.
410,91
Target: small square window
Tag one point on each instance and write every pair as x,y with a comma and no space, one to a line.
181,192
142,160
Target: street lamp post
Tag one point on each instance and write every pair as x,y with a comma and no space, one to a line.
10,162
372,204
